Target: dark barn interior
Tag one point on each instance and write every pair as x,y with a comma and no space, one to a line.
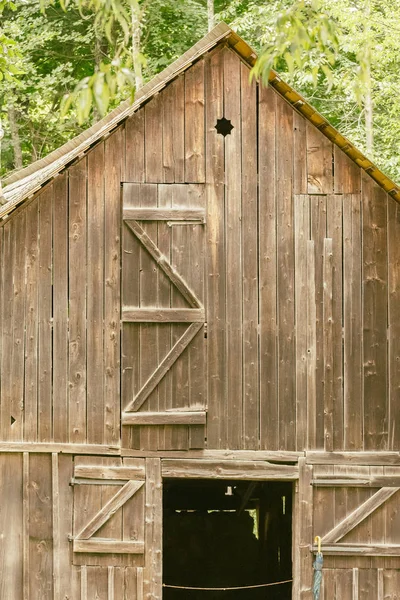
224,534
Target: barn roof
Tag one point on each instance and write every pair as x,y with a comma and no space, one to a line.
25,182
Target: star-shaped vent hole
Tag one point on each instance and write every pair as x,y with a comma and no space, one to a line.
224,126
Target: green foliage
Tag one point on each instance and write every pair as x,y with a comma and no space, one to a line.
298,30
340,55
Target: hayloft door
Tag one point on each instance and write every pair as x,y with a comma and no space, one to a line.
163,374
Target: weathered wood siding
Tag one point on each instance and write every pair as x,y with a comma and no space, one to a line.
40,513
301,287
60,307
294,275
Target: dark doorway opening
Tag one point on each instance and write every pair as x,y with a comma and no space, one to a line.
221,534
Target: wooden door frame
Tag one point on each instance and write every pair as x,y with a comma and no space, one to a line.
245,470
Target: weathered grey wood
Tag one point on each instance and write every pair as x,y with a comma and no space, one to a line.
267,249
358,515
163,315
373,482
61,448
109,472
328,345
56,526
215,267
11,522
360,550
301,237
238,470
181,417
164,214
304,524
194,123
112,302
152,584
95,294
251,425
100,546
77,303
164,264
311,348
246,455
60,310
355,458
109,509
375,276
164,367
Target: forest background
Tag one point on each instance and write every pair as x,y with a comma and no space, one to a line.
62,66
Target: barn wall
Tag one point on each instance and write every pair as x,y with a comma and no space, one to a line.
296,266
60,305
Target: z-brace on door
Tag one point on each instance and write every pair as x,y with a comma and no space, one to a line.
163,372
118,518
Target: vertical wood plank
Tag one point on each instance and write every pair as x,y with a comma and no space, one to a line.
305,525
216,424
31,310
233,243
328,346
68,579
18,345
375,315
40,528
194,124
153,140
355,586
60,308
111,583
302,234
97,583
394,322
134,147
174,131
319,162
165,390
251,425
180,374
130,331
391,584
84,586
7,333
152,583
133,517
45,415
318,234
352,321
267,240
335,232
112,216
311,348
56,526
95,294
77,302
300,184
25,526
11,526
139,584
149,288
285,276
344,584
194,274
347,175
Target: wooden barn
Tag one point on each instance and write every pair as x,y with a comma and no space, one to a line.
200,351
